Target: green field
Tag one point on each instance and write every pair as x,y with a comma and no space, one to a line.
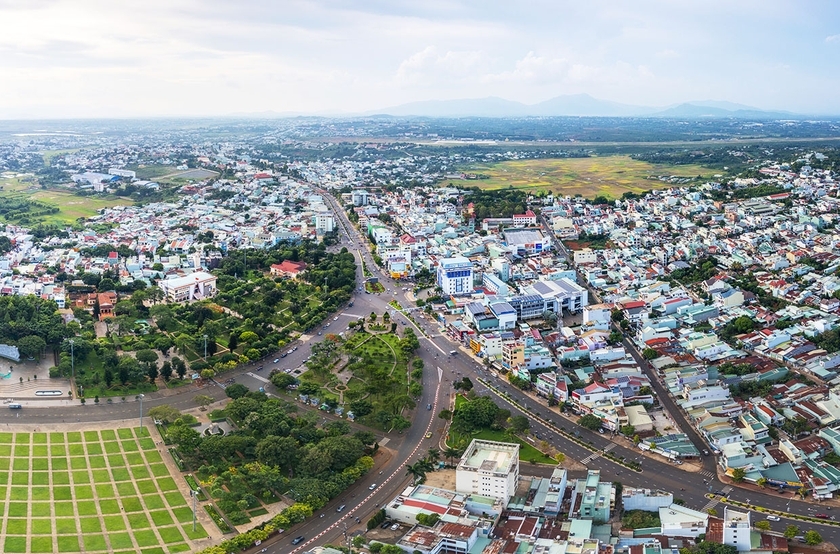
72,206
59,494
610,176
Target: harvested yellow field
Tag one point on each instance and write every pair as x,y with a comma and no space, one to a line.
609,176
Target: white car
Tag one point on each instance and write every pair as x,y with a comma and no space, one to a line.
774,518
373,486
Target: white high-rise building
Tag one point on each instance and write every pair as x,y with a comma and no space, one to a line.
488,468
324,223
736,529
455,276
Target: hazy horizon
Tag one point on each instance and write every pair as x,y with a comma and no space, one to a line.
190,58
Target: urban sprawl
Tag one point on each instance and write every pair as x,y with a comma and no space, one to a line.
723,295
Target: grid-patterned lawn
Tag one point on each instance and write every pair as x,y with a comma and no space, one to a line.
91,491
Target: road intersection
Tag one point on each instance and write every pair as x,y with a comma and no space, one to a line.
406,447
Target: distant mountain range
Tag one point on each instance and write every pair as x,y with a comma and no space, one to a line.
576,105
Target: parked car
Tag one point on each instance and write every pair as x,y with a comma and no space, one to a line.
395,526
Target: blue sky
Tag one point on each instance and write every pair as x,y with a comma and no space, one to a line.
86,58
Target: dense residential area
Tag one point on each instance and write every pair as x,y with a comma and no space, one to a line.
705,309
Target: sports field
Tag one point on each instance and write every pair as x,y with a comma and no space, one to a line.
609,176
90,491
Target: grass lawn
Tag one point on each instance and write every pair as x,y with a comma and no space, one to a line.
527,453
90,525
64,509
120,541
68,544
131,504
96,499
138,521
146,487
71,207
41,526
94,543
96,461
15,544
114,523
16,527
170,535
199,532
62,493
41,544
41,509
64,526
109,506
161,518
155,502
610,176
183,514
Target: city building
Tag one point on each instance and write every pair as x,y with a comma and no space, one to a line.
592,499
488,468
195,286
455,276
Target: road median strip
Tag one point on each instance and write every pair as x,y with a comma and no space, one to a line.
770,511
574,438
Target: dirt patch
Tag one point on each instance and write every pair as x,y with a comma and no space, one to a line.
442,479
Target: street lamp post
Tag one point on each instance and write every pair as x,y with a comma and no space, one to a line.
72,363
205,348
141,397
194,494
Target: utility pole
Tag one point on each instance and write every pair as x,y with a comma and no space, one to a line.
205,348
347,539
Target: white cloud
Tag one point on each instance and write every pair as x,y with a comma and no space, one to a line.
668,54
88,58
431,65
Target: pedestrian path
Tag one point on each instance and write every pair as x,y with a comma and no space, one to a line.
710,504
596,455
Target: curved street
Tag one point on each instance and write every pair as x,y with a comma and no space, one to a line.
389,475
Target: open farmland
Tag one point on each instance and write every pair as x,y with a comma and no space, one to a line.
609,176
71,206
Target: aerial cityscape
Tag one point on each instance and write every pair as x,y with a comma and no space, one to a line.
438,279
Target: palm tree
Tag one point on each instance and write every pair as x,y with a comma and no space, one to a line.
450,453
416,471
434,455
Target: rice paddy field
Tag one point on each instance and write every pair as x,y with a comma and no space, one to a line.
609,176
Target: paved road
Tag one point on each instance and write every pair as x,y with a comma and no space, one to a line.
412,445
